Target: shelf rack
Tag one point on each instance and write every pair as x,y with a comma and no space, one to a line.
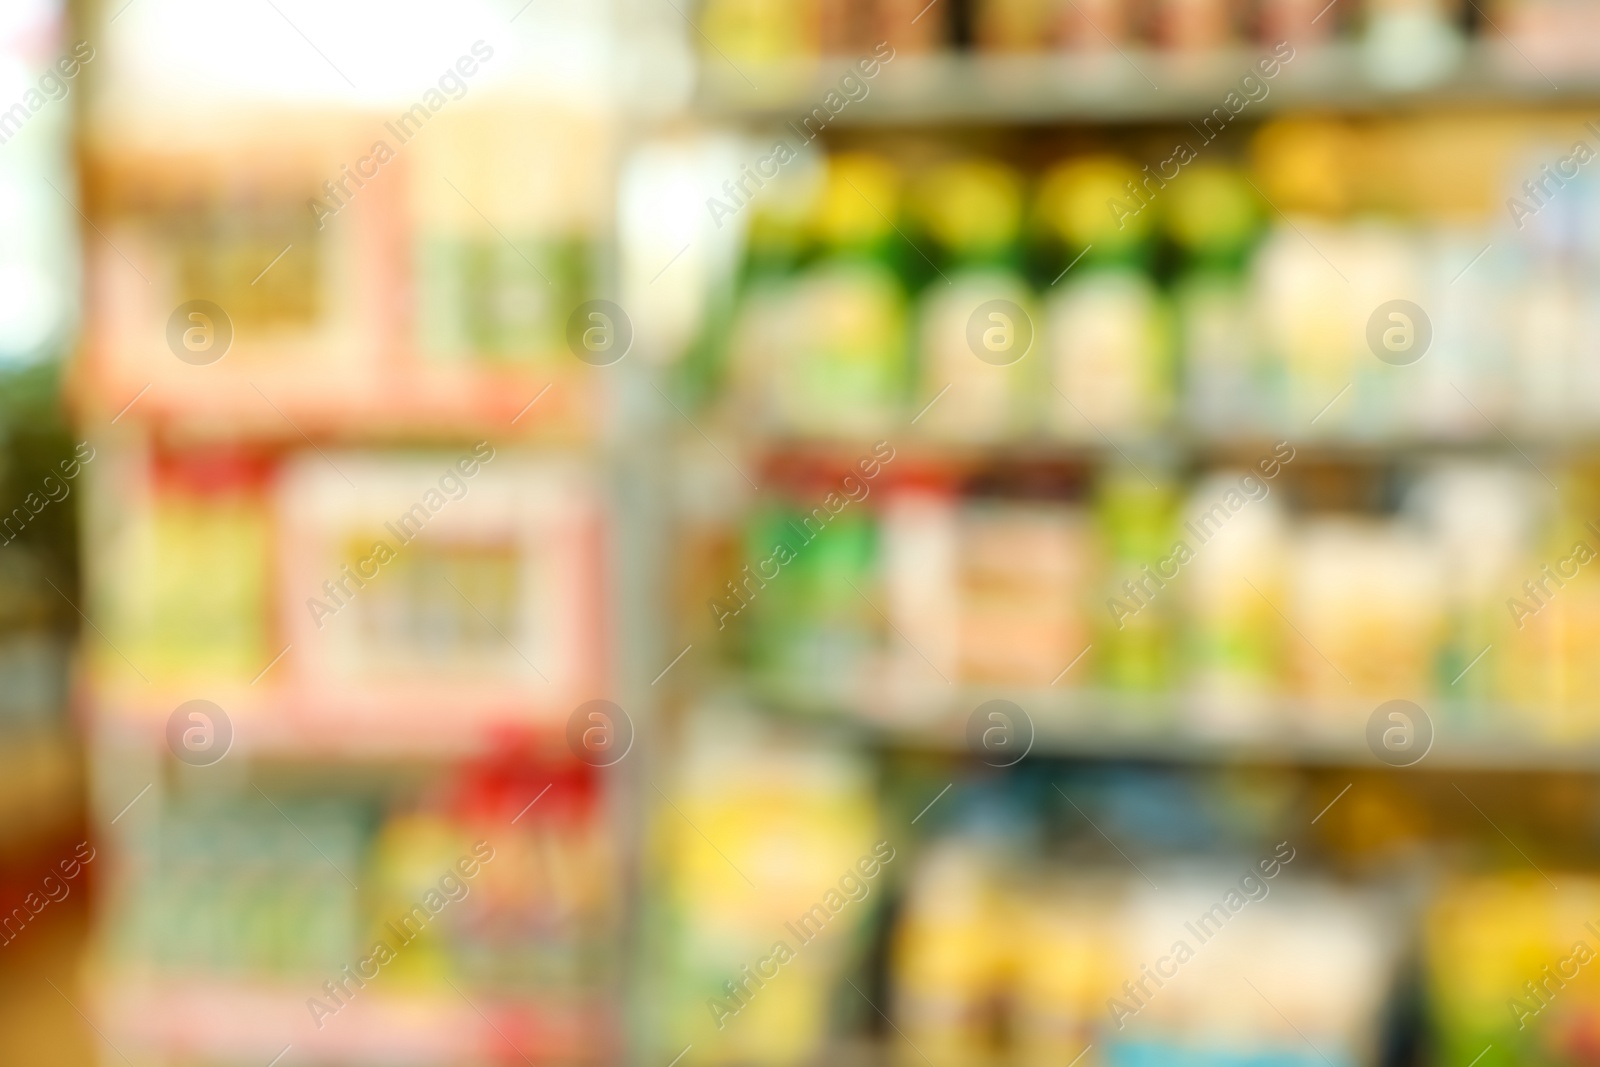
1104,726
1127,88
913,91
1136,86
961,92
133,398
229,1020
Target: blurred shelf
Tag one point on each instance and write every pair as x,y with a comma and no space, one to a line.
316,722
1136,85
777,452
1044,448
184,405
234,1022
1105,726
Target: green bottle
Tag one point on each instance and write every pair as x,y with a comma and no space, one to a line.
1107,327
1136,520
978,326
1213,218
844,371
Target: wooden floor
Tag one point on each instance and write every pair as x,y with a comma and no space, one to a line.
38,1026
41,822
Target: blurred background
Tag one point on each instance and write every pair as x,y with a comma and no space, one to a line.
782,532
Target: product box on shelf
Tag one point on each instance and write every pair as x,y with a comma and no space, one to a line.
757,931
363,601
461,582
994,593
371,274
1507,960
182,584
219,297
999,959
478,929
502,253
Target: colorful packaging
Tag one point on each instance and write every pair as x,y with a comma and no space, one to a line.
193,600
1106,326
1502,954
1367,600
978,324
796,862
1025,583
1017,25
951,955
1213,216
812,629
760,31
1235,637
837,365
1134,649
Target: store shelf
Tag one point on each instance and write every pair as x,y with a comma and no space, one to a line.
314,721
233,1023
775,450
191,408
1130,86
1106,726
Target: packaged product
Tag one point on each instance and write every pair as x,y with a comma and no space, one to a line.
1017,25
1236,526
1501,955
1066,948
500,292
922,547
979,329
1096,26
1194,25
1107,333
1311,327
839,367
1134,524
194,600
1481,518
761,31
1214,217
814,632
1025,586
797,863
1411,43
1366,598
952,953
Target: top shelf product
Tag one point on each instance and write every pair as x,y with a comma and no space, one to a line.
1096,303
1043,60
357,278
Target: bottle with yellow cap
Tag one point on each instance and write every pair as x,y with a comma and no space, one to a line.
977,322
1310,322
742,340
1106,329
1213,217
843,371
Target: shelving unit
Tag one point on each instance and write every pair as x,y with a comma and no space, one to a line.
296,713
387,1028
739,460
379,732
1110,89
1098,727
